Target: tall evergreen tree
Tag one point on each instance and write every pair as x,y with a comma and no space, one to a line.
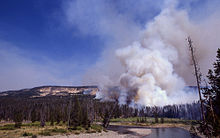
85,120
75,115
18,118
105,121
212,95
33,116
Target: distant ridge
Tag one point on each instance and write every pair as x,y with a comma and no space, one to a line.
50,90
42,91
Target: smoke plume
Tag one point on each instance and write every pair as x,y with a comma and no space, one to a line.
150,77
155,68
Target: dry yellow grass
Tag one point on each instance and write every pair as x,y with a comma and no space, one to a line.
7,130
34,130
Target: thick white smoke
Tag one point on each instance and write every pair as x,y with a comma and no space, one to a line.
150,77
154,69
150,61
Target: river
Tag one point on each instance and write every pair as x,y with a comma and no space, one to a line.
169,133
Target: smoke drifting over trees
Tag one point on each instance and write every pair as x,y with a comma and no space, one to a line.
151,65
83,110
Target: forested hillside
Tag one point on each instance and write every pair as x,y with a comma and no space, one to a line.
78,109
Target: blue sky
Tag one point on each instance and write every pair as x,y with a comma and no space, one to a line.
36,26
44,42
38,33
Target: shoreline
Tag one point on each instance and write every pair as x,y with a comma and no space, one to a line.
115,130
129,133
160,125
120,130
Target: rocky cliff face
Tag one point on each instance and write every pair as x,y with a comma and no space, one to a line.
51,91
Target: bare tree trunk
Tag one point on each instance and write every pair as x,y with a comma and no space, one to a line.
69,110
197,74
91,109
211,107
42,116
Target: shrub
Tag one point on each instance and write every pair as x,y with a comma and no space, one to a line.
45,133
97,128
137,120
90,131
156,119
161,120
77,132
27,134
18,118
59,130
79,128
7,127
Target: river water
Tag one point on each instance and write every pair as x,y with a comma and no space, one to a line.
169,133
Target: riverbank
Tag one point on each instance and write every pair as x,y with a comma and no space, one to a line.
184,126
113,131
118,129
153,125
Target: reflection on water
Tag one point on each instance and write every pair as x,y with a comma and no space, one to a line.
169,133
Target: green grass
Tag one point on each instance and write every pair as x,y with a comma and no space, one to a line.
45,133
176,120
34,129
79,128
97,128
48,132
8,127
59,130
131,119
37,123
152,120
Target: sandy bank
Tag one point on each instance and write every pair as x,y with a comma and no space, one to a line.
113,132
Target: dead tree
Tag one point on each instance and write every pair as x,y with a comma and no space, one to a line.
68,112
108,115
42,116
197,74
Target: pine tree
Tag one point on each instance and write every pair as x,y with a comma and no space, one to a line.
75,115
162,120
156,117
52,116
156,114
85,120
212,95
214,81
42,116
105,119
18,118
33,116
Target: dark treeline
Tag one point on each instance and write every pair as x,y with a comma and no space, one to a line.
82,110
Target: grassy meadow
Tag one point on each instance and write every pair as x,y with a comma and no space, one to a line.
7,130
